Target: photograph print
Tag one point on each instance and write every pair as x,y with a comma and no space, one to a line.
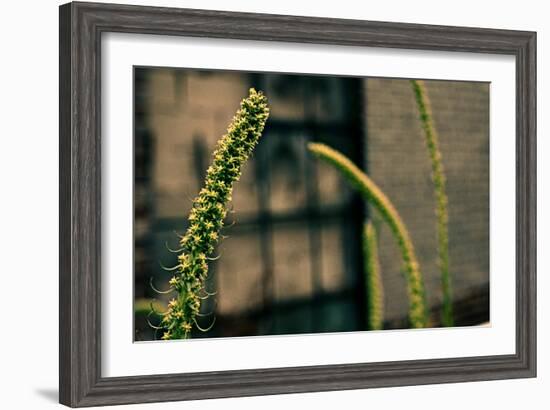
279,204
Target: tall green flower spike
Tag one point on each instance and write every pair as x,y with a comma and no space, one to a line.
375,291
207,215
371,192
438,178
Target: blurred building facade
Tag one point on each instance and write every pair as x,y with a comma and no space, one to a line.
292,259
398,161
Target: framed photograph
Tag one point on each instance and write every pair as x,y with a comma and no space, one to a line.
259,204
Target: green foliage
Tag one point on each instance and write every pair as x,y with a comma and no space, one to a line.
143,307
372,193
438,178
375,291
208,213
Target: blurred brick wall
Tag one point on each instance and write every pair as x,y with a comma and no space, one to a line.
398,161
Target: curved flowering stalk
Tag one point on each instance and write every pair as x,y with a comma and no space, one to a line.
372,193
207,215
438,178
375,291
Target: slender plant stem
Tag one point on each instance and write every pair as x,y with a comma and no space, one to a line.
375,291
372,193
438,178
207,215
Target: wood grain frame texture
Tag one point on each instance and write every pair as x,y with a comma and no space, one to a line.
81,26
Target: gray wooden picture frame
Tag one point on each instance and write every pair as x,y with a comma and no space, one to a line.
81,27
